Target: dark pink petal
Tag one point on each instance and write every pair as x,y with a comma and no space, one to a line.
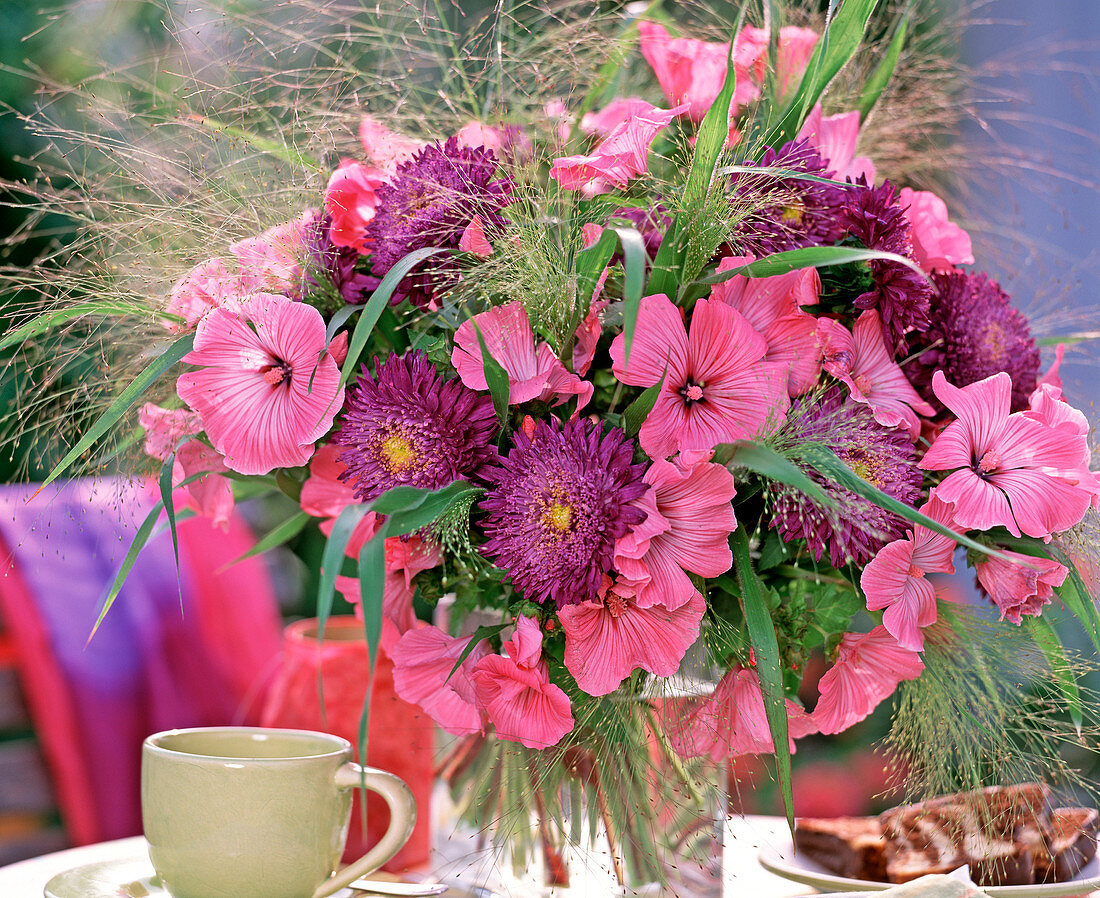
473,239
938,243
422,662
525,646
1042,505
522,704
979,505
1020,586
982,409
603,646
323,494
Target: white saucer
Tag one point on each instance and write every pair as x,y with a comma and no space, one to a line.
782,860
125,878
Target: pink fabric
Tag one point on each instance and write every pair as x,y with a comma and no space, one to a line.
151,665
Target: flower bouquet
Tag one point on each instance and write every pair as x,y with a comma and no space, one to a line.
588,389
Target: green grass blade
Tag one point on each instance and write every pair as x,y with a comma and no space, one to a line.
412,519
483,632
496,378
765,461
634,265
377,303
1051,646
806,257
169,504
884,71
42,323
765,648
286,531
636,413
332,560
136,545
121,405
372,584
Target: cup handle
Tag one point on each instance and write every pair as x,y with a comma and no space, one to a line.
402,818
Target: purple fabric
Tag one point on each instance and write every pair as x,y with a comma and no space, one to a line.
147,668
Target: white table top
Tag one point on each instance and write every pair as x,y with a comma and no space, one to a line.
26,879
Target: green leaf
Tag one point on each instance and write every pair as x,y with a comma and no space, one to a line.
423,513
634,266
377,303
372,584
636,413
806,257
832,468
496,378
286,531
332,559
884,71
765,647
43,322
1075,594
119,407
668,266
169,504
765,461
399,498
136,545
590,263
839,42
483,632
1051,646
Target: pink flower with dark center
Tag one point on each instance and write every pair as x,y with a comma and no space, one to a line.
350,200
1006,469
861,360
1021,586
895,578
516,693
835,138
534,371
867,669
938,243
773,306
267,388
622,156
212,495
717,386
732,721
423,659
209,285
609,638
688,522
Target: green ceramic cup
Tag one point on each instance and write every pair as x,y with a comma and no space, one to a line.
245,812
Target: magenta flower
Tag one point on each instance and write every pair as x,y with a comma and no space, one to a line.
267,388
516,693
867,669
422,663
862,361
1006,469
351,199
732,721
609,638
717,388
895,578
773,306
620,157
688,522
938,243
1021,586
835,137
534,371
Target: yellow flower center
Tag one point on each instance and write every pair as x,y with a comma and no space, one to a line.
792,214
558,517
397,453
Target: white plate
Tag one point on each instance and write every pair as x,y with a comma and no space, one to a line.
781,860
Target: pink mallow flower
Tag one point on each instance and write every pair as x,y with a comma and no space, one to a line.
861,360
351,199
867,669
620,157
212,495
609,638
773,306
732,721
267,389
272,262
1020,586
895,579
1007,469
385,148
717,386
209,285
938,243
325,495
834,137
793,52
516,693
688,522
534,371
619,110
423,659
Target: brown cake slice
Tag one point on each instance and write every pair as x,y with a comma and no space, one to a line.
1070,844
847,846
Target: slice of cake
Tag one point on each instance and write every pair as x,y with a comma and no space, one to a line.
1070,844
847,846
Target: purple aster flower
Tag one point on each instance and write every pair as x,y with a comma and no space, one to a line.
873,218
408,426
335,265
974,333
853,528
558,503
429,202
789,212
